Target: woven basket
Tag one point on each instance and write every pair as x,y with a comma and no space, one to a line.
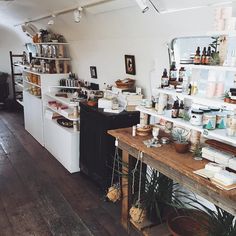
125,84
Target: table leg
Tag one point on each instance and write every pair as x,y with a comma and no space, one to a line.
125,192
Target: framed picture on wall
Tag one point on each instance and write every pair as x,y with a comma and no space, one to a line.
93,72
130,64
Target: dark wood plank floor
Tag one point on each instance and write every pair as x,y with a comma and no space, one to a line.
39,197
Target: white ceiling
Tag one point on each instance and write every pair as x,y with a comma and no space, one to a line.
17,11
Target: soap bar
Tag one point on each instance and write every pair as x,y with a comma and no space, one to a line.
223,159
232,164
208,157
214,167
226,177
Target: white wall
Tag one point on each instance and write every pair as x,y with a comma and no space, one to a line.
102,40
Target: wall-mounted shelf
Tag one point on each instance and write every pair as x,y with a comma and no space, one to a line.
224,32
205,67
199,99
51,43
217,133
54,58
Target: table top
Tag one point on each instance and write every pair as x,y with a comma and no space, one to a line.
183,164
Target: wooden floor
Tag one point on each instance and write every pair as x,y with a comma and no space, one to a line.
39,197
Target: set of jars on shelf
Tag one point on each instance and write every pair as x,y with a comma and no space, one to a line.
213,118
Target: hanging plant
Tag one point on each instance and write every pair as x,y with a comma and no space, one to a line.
114,191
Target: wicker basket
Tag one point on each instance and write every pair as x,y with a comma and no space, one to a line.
125,84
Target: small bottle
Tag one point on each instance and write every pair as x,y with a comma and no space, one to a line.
134,128
182,74
197,57
175,110
181,110
203,58
190,89
164,79
194,88
208,56
173,72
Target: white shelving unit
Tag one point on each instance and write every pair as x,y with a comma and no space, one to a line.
62,142
205,67
217,133
216,102
33,105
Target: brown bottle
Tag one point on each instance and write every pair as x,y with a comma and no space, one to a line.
203,58
164,79
197,57
173,72
175,110
208,56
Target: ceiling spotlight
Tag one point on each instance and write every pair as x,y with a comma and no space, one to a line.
78,14
51,21
143,5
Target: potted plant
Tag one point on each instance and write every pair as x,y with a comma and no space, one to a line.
180,137
227,97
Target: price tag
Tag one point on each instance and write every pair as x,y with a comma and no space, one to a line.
205,132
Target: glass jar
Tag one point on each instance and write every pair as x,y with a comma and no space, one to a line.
196,117
209,121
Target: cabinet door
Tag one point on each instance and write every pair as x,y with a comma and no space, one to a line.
33,116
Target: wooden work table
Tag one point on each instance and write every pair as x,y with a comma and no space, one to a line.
178,167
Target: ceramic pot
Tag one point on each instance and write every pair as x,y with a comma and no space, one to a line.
227,100
186,222
181,147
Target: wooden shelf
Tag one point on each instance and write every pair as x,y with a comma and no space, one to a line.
205,67
199,99
217,133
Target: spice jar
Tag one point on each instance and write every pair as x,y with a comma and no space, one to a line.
209,121
196,117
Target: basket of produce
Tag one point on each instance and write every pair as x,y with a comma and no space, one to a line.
125,83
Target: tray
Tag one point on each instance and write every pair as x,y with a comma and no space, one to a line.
65,123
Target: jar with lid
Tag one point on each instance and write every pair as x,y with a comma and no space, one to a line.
231,125
209,121
221,120
214,110
196,117
205,110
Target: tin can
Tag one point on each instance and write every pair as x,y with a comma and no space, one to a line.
209,121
